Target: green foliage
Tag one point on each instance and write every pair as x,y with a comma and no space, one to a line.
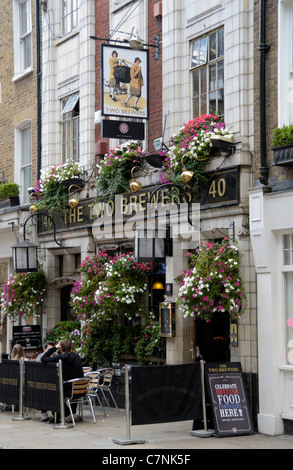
193,142
282,136
114,171
24,295
8,189
212,284
50,190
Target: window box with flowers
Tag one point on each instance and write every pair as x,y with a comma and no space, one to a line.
114,170
282,143
52,188
190,150
213,284
24,296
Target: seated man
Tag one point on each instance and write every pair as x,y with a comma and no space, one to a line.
71,364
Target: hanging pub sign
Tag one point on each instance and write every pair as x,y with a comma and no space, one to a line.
231,410
124,82
122,129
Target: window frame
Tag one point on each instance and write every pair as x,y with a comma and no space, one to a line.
70,127
19,169
200,70
69,16
22,39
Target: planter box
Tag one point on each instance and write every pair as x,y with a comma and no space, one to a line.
222,144
156,161
9,202
283,156
77,181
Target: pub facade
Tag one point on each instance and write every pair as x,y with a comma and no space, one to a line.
194,64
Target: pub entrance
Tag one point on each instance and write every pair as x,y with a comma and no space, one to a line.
213,339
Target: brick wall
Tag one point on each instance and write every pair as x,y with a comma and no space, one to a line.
18,100
275,173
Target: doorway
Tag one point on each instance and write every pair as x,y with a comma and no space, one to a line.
67,313
213,339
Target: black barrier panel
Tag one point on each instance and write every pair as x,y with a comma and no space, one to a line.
9,382
162,394
41,386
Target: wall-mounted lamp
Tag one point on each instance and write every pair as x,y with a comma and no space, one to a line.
135,185
158,286
73,200
24,254
186,175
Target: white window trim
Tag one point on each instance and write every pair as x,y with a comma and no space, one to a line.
17,154
18,71
285,66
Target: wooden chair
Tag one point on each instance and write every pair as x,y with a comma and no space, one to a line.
106,376
79,392
93,387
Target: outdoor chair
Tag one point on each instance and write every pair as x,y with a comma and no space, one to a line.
106,376
78,392
93,387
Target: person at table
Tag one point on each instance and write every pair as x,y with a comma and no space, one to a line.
71,366
17,352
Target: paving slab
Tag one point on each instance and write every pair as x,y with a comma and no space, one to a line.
103,435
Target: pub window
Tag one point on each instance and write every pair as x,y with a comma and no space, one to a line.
207,69
288,294
22,31
70,127
69,15
287,249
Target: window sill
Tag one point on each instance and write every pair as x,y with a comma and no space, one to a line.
66,37
286,368
24,74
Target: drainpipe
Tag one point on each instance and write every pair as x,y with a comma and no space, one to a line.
263,48
39,106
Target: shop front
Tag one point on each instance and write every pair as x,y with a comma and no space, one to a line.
271,235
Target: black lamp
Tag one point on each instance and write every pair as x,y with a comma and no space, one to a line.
25,254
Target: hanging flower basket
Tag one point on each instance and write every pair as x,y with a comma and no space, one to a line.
212,284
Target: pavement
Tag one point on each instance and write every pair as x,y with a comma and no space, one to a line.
113,438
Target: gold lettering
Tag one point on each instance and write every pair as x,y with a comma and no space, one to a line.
123,206
142,201
132,203
72,216
110,208
79,213
90,206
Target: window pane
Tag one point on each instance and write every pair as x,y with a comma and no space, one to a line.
24,18
220,107
213,46
220,74
212,77
203,80
289,316
221,43
213,102
195,54
195,83
27,51
203,104
26,145
196,112
203,51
